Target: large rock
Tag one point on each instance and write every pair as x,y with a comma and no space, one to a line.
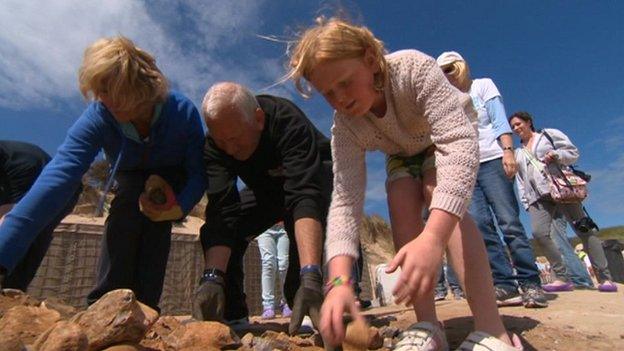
62,336
10,298
203,334
158,335
11,344
26,323
115,318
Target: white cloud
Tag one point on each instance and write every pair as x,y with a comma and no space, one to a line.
41,43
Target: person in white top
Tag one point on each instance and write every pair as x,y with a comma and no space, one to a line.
494,195
402,105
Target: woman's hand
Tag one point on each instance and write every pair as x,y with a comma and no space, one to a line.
551,156
339,299
420,260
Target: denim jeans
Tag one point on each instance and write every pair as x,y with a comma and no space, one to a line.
273,247
576,269
494,197
447,275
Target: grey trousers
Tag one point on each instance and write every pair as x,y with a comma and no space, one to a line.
543,212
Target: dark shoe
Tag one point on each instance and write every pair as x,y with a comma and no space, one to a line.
533,296
558,287
364,304
439,296
507,296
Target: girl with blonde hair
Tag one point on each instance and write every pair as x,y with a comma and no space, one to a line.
401,104
154,140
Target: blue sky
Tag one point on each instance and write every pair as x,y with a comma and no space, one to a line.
561,61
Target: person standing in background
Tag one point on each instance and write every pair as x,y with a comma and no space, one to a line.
494,191
274,245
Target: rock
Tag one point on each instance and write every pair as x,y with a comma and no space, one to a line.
247,340
272,340
356,336
389,332
115,318
11,344
375,341
62,336
10,298
203,334
64,309
25,323
124,347
158,335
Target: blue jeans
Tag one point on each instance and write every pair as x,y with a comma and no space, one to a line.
576,269
448,276
274,254
494,194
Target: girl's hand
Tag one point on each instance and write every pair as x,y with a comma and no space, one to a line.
339,299
420,260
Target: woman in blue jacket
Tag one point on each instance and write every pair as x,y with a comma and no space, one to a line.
147,132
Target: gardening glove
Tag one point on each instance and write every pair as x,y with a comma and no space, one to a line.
308,301
158,201
209,300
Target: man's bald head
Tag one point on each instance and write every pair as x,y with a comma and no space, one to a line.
224,98
234,118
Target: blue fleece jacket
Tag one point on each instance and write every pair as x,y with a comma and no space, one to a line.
176,139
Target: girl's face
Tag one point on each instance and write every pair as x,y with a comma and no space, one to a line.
348,84
521,127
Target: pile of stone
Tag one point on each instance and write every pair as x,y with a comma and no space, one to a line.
118,322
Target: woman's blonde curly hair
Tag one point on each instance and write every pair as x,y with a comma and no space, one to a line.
333,39
125,73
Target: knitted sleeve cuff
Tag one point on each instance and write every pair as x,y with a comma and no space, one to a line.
453,204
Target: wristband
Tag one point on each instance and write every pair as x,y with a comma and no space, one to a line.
213,275
338,281
507,148
311,268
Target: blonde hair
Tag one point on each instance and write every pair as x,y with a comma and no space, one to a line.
125,73
460,72
329,40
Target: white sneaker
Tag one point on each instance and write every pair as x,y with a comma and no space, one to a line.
480,341
422,336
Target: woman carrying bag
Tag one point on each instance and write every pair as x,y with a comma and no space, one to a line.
548,190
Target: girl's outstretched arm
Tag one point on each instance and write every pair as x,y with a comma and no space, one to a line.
421,258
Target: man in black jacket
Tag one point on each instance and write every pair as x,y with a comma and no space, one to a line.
285,164
20,165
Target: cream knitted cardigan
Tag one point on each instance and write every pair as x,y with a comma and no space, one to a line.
423,108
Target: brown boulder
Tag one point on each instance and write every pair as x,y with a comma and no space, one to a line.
158,335
25,323
10,298
62,336
115,318
203,334
124,347
11,344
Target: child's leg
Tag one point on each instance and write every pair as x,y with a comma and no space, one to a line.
468,257
405,205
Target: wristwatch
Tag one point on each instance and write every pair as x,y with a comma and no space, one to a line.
213,275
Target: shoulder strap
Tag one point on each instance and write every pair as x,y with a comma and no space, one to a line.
533,160
550,139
